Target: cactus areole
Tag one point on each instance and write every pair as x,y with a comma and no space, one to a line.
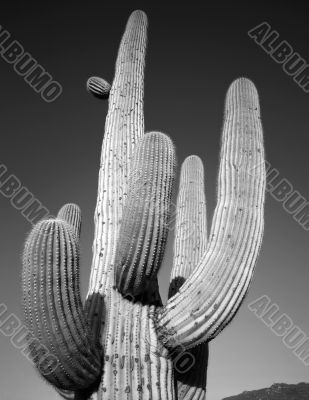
124,343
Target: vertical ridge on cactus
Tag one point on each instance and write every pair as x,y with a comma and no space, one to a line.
190,243
72,215
143,232
136,366
191,222
210,297
53,309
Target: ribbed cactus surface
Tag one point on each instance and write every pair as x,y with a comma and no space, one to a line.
124,127
143,232
53,308
98,87
189,245
191,222
209,299
71,214
125,344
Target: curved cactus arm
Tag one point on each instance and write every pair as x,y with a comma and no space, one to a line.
190,243
124,127
144,229
209,299
53,310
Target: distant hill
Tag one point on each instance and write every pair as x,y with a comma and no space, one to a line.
278,391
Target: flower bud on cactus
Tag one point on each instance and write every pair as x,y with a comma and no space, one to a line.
98,87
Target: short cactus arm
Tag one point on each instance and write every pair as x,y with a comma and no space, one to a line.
211,296
52,305
124,127
190,243
191,222
144,229
72,215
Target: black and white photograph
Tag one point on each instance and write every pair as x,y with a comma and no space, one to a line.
154,200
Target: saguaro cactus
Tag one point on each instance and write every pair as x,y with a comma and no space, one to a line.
124,344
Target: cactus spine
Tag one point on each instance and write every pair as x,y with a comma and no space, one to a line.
122,344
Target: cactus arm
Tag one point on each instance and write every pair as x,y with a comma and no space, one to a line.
72,215
190,243
191,223
144,228
53,309
124,128
210,297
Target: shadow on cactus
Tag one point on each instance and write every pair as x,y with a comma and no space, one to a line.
124,343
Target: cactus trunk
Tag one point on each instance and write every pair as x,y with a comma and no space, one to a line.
124,127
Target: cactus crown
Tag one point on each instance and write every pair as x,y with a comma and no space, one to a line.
124,344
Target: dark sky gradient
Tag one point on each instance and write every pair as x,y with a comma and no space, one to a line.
195,51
